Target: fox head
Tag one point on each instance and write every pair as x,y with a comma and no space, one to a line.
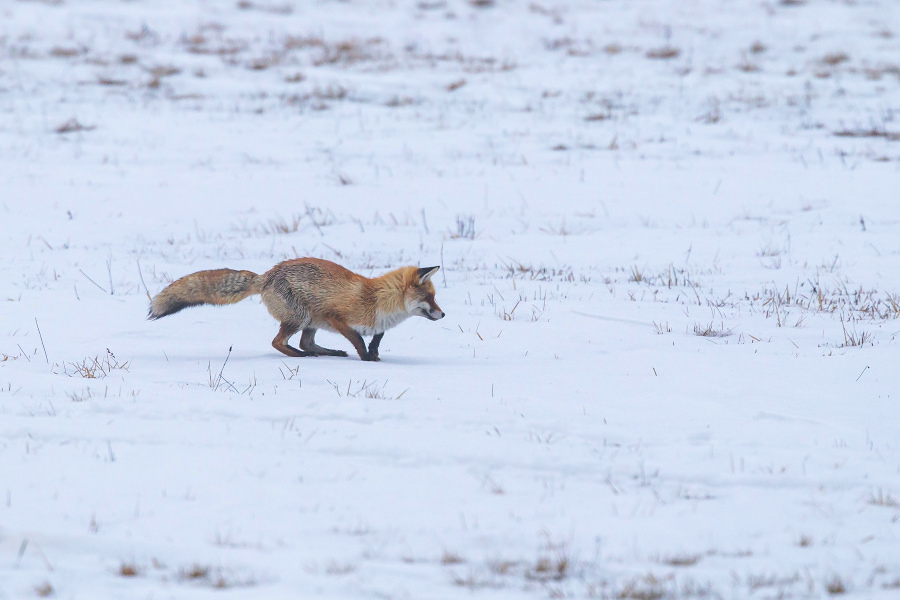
419,295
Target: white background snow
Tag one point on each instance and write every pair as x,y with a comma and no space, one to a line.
671,272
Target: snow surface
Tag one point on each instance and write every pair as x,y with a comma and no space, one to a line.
601,181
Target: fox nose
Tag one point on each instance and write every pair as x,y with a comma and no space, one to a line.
442,315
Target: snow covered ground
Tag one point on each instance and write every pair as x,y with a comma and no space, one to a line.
671,273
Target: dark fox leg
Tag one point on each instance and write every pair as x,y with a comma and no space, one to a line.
352,335
280,342
373,345
308,343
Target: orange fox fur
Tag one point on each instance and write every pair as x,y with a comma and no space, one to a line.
309,294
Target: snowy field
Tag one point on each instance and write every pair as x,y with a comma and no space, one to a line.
671,273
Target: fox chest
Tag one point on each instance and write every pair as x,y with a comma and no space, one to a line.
383,322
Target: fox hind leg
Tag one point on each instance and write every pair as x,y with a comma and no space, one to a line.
308,343
280,342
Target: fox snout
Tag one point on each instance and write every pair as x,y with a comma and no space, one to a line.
433,314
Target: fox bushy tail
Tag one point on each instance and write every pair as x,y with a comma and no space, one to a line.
220,286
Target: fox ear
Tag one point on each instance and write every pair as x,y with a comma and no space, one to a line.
425,273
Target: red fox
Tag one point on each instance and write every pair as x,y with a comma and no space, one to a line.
309,294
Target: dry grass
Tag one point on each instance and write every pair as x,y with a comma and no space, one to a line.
44,590
891,585
96,367
882,499
714,114
60,52
474,581
337,568
711,330
313,218
854,338
264,62
663,53
224,48
319,97
302,42
398,101
869,133
367,389
502,567
128,570
661,328
194,572
451,558
274,9
452,87
835,586
465,228
550,568
281,226
350,52
218,578
759,582
73,126
681,560
160,71
469,64
835,58
644,587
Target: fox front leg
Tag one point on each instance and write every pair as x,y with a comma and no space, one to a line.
353,336
373,346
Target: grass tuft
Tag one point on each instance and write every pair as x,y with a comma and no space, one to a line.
645,587
835,586
366,389
550,568
663,53
73,126
195,572
465,228
661,328
882,499
854,338
874,132
97,367
682,560
835,58
710,330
